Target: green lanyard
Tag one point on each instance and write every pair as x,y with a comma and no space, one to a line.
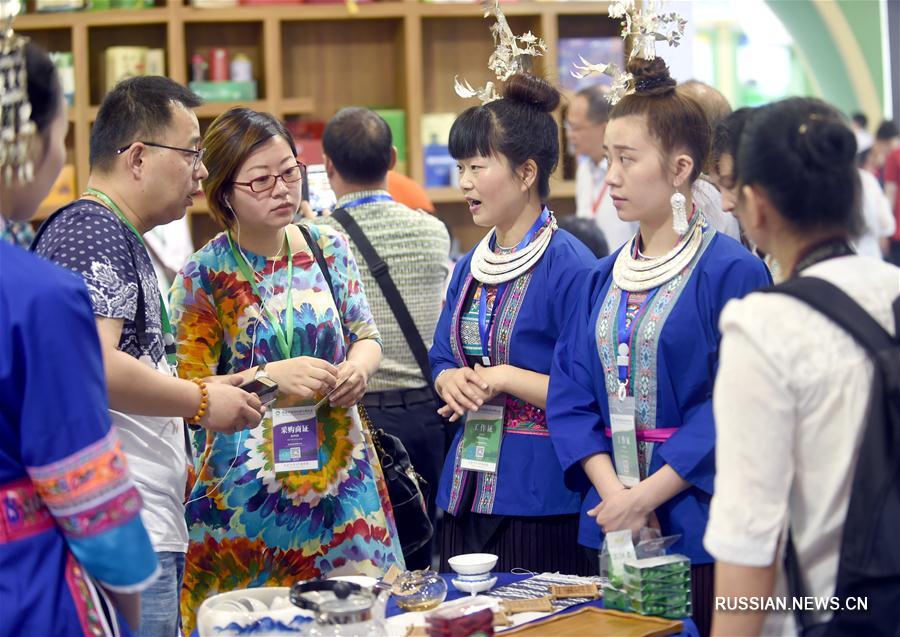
284,341
167,334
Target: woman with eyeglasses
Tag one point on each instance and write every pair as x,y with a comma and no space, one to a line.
302,495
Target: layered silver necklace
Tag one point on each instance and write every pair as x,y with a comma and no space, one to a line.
633,272
492,268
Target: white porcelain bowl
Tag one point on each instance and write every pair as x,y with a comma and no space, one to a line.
252,611
473,563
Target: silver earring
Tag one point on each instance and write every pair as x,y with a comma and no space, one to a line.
679,213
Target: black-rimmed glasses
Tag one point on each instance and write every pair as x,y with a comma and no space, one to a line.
197,153
267,182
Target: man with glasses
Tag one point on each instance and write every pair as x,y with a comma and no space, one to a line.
169,245
585,126
146,167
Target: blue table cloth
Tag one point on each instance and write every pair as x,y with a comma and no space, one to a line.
690,629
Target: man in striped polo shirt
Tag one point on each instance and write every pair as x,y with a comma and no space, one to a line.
415,247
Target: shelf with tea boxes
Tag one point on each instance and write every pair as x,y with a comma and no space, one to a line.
302,62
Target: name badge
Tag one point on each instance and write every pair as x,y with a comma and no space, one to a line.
295,439
482,436
624,438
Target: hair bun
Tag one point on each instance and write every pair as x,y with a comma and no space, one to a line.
651,77
825,143
532,91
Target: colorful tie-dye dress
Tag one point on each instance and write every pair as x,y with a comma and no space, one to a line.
248,525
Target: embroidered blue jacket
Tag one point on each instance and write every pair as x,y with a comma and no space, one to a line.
69,511
529,319
677,343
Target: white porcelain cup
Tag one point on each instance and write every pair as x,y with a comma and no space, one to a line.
473,564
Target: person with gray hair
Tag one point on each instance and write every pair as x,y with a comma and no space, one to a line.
707,195
585,126
715,106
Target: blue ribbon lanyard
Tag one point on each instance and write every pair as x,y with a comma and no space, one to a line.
626,337
484,323
364,200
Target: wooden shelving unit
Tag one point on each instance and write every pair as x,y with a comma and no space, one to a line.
311,59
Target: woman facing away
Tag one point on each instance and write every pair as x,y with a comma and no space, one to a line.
640,353
302,495
793,387
73,551
502,485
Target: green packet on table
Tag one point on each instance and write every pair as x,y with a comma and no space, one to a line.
671,581
670,611
667,597
615,599
656,568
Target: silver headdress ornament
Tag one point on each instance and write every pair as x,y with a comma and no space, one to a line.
17,131
511,56
645,27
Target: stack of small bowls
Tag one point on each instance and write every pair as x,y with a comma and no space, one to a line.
473,572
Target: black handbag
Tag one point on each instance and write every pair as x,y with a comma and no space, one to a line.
406,488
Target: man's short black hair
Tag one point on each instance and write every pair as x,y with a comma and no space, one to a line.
585,230
860,119
136,107
887,131
358,141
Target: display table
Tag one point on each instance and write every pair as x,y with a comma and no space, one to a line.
690,630
398,621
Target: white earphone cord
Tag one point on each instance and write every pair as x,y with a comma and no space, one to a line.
237,447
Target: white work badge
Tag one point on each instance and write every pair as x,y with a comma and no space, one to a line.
482,436
295,439
624,439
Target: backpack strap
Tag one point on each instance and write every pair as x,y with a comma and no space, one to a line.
896,307
382,275
835,304
46,224
140,316
140,313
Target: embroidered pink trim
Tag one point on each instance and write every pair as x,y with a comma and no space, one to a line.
22,512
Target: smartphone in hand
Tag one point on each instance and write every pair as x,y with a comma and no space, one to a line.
264,387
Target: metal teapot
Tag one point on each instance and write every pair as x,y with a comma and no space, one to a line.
341,609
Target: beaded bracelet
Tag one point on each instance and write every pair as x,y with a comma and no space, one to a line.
204,402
